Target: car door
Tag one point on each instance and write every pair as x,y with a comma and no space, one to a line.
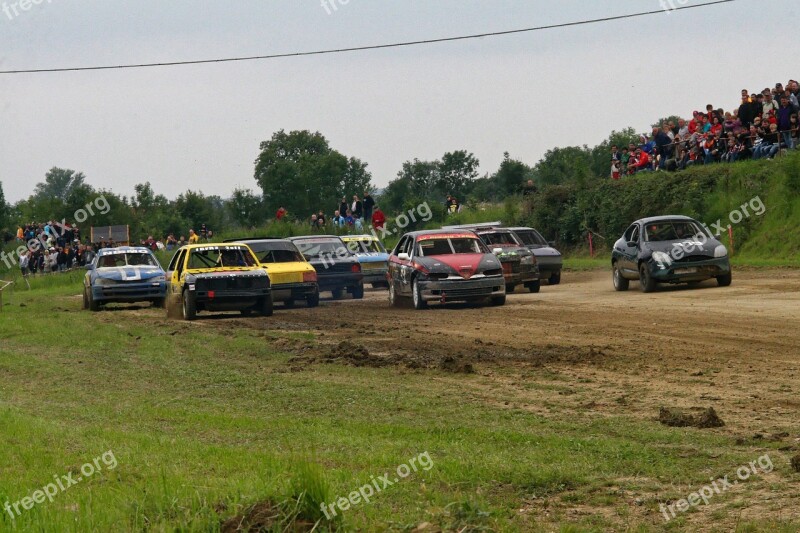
630,251
402,268
175,271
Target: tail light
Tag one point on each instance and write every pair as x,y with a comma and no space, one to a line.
309,277
356,268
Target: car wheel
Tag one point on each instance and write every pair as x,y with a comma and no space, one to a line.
555,278
394,298
358,292
189,305
499,300
620,283
380,285
312,300
289,302
265,306
94,305
337,294
725,280
534,286
510,288
419,303
646,280
159,302
246,312
85,298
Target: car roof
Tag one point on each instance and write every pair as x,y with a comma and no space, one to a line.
421,233
301,237
212,245
359,237
521,228
257,239
662,218
122,249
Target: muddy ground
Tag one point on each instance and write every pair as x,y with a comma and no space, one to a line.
735,349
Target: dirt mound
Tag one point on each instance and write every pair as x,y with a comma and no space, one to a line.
264,516
796,463
456,365
697,417
354,354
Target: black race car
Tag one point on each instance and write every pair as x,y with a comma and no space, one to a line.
668,249
444,266
338,269
548,258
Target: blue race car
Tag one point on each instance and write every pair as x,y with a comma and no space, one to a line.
373,257
125,274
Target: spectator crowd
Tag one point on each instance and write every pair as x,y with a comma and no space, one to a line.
761,127
347,215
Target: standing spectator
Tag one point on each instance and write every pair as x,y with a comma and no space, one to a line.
768,107
615,154
343,207
369,205
683,129
204,232
281,213
24,260
349,220
615,165
663,146
785,123
746,111
378,219
321,219
171,242
193,237
314,222
794,130
528,192
357,207
338,219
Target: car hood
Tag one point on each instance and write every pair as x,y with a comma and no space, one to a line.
244,272
544,251
692,246
129,273
465,265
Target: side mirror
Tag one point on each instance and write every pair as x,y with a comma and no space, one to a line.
633,244
551,244
90,267
403,256
497,251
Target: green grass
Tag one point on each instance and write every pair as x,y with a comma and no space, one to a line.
205,422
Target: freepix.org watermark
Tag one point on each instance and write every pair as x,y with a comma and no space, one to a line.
755,207
761,465
332,6
60,484
15,9
59,228
376,485
671,5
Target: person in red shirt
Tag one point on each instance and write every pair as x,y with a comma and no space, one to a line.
281,213
378,218
642,160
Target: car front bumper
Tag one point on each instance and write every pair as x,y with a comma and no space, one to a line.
461,290
517,274
691,271
129,291
293,291
549,265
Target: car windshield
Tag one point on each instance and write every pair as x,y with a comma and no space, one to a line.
531,238
127,259
317,248
277,253
499,239
671,230
214,257
365,246
449,246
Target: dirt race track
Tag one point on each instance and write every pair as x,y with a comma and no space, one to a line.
736,349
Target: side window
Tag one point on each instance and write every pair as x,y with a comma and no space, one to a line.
635,236
630,232
174,262
181,256
409,248
401,246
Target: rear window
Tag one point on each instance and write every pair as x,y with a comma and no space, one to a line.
365,246
501,239
279,252
531,238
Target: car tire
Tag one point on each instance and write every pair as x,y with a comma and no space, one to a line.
416,295
380,285
620,283
725,280
555,278
85,298
497,301
159,303
510,289
337,294
534,286
645,279
358,292
289,303
312,300
394,299
189,305
93,304
246,312
265,306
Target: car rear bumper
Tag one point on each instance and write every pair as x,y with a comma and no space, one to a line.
291,291
339,281
376,276
693,271
461,290
129,292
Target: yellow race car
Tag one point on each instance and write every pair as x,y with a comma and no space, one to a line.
292,276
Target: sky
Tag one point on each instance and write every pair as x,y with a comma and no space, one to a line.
199,127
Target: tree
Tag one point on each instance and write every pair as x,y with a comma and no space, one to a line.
5,211
457,170
564,165
197,209
245,208
301,172
512,175
59,183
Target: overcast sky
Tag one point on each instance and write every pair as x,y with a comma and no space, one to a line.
199,127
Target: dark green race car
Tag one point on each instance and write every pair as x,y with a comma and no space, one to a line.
668,249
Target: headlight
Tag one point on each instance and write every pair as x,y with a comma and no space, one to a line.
528,260
158,279
720,251
662,259
104,281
